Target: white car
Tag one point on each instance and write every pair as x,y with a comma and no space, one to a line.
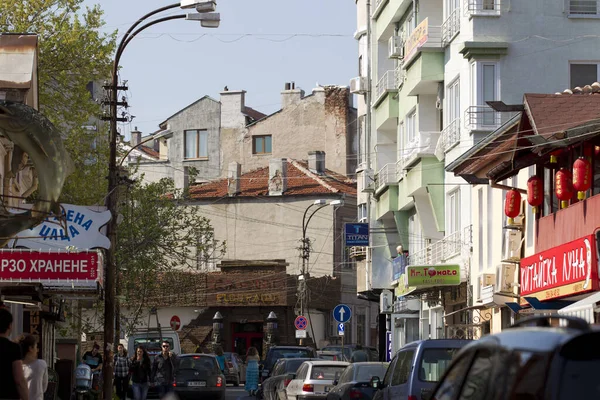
314,379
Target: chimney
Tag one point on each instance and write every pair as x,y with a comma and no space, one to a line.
233,103
316,162
277,176
233,178
291,95
136,137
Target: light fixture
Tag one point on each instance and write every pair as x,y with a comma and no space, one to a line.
200,6
320,201
300,277
207,20
336,203
25,303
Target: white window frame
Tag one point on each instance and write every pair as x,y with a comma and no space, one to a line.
416,242
202,136
409,24
453,209
451,6
597,63
452,98
477,86
571,14
411,127
401,145
363,214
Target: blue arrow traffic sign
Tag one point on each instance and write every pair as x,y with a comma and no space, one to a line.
342,313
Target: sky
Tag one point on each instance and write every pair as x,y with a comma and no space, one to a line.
259,45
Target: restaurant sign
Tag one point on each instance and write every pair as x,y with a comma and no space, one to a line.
565,270
72,270
417,39
433,275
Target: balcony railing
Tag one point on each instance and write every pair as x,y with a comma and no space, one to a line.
451,27
387,83
450,137
400,167
443,250
385,176
482,7
400,74
358,252
482,118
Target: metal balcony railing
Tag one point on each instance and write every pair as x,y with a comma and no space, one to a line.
387,83
451,27
450,136
399,75
443,250
400,164
485,7
417,40
482,118
358,252
385,176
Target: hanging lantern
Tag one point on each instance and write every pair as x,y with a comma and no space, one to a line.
535,193
512,205
582,176
554,156
563,186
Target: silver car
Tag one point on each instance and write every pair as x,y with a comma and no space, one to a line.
314,379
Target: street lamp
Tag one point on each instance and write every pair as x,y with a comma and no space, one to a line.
113,174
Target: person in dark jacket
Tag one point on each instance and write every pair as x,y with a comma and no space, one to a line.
140,370
164,368
359,355
121,363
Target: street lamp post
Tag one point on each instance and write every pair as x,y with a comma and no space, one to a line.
210,20
302,285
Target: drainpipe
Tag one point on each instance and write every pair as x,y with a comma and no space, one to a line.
495,185
368,261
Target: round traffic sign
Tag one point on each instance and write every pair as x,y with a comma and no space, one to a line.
342,313
175,323
300,323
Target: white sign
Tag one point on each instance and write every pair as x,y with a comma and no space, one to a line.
83,226
341,329
300,334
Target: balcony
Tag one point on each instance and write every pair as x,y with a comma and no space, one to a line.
423,145
385,177
451,27
377,7
482,8
424,37
358,253
400,75
482,118
449,138
385,85
400,168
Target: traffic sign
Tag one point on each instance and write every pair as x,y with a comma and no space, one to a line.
342,313
341,329
300,334
175,323
300,323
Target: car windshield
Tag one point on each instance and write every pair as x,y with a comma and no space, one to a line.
434,362
580,368
198,363
364,373
288,353
347,350
326,372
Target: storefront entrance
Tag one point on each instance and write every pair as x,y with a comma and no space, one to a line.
247,335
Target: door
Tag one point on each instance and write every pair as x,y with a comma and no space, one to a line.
246,335
400,384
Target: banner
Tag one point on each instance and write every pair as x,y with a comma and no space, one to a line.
433,275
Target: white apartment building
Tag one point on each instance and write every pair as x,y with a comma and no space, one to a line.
427,70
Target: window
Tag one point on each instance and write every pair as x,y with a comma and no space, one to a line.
583,73
261,144
434,363
409,24
453,212
360,62
399,146
402,368
452,382
583,7
487,82
415,235
411,126
388,374
477,380
452,102
362,213
196,144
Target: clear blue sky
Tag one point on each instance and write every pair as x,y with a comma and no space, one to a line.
171,65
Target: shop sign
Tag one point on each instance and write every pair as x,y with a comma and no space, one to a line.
356,234
417,39
399,266
52,268
565,270
433,275
83,230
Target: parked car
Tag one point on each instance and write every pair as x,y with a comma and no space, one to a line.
235,369
349,348
547,357
277,352
331,355
280,377
199,376
355,381
314,379
416,368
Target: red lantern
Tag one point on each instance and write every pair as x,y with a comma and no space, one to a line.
512,205
582,176
535,192
563,186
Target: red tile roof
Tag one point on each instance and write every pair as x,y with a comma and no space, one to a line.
148,151
254,114
300,182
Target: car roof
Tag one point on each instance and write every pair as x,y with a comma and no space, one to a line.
197,355
362,363
326,363
329,352
536,339
291,347
437,343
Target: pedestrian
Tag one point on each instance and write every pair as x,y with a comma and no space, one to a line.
140,373
359,355
164,369
35,369
121,364
12,379
252,359
220,355
93,358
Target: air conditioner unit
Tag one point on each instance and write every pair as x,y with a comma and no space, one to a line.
513,241
358,85
506,279
396,47
484,280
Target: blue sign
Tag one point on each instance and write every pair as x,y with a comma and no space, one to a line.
356,234
300,323
341,329
388,346
342,313
399,266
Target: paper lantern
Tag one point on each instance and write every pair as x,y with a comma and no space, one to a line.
582,176
512,205
563,186
535,192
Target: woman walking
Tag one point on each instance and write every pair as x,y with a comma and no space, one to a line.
220,358
252,360
34,369
140,373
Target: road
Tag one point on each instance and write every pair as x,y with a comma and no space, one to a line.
237,393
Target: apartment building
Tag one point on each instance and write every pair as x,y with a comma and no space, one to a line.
434,79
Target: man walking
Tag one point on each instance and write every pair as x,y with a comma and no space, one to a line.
121,372
164,368
359,355
12,380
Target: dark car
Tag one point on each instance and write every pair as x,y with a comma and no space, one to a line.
372,352
355,381
547,357
199,376
277,352
281,374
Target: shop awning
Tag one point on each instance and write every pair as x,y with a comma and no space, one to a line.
538,305
590,302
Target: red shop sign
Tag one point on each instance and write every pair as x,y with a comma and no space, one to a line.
561,271
43,266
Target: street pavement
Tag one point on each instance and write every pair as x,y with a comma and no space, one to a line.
237,393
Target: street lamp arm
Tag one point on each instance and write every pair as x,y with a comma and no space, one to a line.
149,24
309,218
133,148
304,221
